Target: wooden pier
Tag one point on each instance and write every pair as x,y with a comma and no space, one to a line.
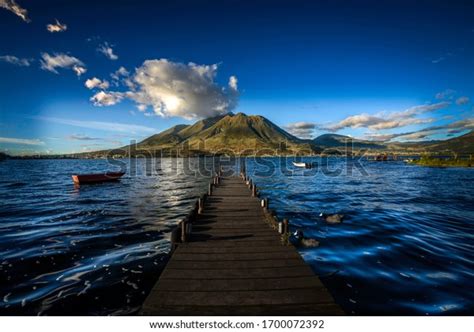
231,257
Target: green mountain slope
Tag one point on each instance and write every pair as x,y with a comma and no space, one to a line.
463,144
237,133
169,137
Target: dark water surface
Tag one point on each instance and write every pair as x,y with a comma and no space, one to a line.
405,247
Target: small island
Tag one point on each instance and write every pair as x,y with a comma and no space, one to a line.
433,161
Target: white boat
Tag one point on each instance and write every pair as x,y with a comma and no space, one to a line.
303,165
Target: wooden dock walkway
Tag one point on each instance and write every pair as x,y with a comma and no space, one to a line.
234,263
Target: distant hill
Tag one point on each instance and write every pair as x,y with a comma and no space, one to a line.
340,141
254,134
463,144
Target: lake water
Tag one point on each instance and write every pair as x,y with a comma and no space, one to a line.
406,245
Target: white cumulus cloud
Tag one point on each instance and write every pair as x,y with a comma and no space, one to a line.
384,120
302,129
104,98
22,62
94,83
107,50
183,90
60,60
15,8
173,89
233,83
449,129
56,27
121,72
79,70
141,107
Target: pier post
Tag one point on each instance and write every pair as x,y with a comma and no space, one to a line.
280,227
189,229
209,191
286,228
254,190
243,171
200,205
264,204
183,230
175,238
194,212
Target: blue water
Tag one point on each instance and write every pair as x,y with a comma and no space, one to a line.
405,246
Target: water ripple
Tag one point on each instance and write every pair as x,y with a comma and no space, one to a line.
406,245
96,249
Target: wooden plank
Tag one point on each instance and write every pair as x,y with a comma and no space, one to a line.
236,232
266,297
221,265
214,250
235,256
248,273
312,309
240,284
234,229
246,239
229,244
230,227
230,222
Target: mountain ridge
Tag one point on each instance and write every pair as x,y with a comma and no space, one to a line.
243,134
236,132
460,144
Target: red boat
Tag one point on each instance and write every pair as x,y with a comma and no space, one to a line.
94,178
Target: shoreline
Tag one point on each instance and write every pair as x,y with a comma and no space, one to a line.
443,163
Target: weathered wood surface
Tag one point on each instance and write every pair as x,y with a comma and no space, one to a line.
235,264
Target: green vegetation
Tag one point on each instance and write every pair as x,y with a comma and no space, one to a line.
444,162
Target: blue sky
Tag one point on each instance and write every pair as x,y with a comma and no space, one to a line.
372,69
